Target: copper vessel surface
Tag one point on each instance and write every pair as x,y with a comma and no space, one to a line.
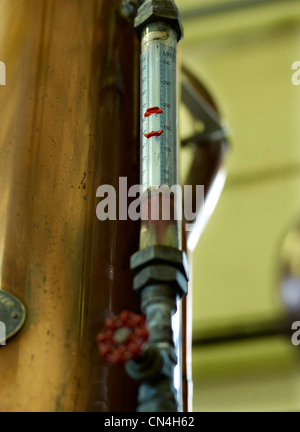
69,123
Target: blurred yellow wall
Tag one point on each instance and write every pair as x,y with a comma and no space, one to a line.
244,57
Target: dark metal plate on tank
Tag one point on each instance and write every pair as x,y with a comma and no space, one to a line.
12,316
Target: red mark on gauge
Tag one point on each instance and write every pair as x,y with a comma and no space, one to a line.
153,110
153,134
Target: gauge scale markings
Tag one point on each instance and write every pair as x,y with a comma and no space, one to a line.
158,81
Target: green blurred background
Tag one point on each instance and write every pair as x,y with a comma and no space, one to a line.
244,56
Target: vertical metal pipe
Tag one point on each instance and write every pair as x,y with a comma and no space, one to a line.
158,26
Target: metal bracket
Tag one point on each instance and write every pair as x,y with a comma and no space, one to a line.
201,110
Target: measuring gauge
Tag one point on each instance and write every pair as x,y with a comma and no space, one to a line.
158,131
159,153
158,106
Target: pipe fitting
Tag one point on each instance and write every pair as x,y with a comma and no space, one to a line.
159,304
160,279
160,265
159,255
161,275
155,371
159,398
158,10
156,364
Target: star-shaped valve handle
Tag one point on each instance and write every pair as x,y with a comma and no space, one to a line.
123,337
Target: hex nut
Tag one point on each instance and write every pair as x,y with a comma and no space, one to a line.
154,255
158,10
161,274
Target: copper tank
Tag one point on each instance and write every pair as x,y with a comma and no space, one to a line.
69,124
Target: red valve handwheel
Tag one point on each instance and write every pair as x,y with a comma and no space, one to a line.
122,337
